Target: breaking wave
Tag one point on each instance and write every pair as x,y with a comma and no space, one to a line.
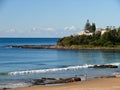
48,70
54,69
117,64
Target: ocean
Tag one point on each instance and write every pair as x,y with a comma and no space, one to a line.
18,66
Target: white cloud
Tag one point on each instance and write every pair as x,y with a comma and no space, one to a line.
40,32
34,29
71,28
43,29
11,31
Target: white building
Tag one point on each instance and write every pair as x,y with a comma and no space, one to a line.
85,33
89,33
103,31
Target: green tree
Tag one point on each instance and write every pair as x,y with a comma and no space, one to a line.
110,36
93,27
108,28
118,36
88,26
113,36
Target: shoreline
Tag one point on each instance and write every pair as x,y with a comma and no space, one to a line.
53,82
102,83
55,47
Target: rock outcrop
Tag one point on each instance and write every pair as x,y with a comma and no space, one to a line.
44,81
103,66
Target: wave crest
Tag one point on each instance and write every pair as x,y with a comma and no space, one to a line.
48,70
54,69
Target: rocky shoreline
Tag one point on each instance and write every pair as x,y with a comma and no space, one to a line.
45,81
50,81
60,47
61,81
104,66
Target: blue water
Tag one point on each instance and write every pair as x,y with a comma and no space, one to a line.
20,65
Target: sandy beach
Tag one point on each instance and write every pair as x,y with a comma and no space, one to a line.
95,84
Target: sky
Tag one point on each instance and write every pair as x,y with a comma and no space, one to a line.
55,18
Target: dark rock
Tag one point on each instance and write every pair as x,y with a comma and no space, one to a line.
111,76
108,77
32,46
44,81
103,66
4,88
77,79
38,82
48,78
67,80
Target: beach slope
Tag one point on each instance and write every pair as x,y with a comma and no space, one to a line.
95,84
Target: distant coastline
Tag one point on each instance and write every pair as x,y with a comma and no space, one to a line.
74,47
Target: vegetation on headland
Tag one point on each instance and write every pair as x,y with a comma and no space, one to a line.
111,38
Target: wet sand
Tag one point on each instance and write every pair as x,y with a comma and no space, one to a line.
112,83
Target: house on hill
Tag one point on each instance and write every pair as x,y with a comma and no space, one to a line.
86,32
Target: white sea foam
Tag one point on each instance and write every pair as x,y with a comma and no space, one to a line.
14,85
48,70
54,69
117,64
8,47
